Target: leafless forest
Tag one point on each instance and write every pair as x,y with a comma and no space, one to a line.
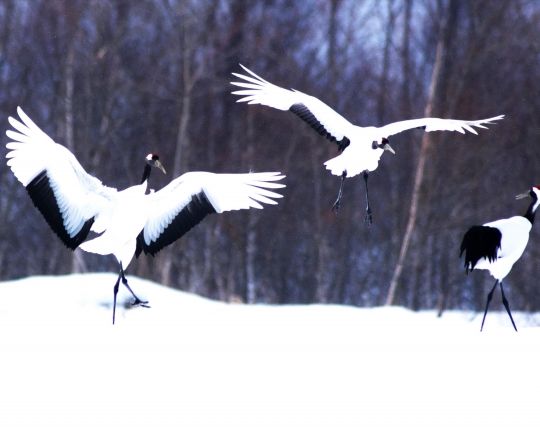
115,80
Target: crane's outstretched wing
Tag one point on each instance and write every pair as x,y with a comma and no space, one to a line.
316,113
433,124
70,200
188,199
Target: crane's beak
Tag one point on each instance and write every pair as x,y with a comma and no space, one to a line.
523,195
158,165
387,147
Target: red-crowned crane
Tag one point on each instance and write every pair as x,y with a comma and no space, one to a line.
496,246
360,147
130,221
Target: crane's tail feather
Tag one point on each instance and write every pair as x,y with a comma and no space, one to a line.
99,245
336,166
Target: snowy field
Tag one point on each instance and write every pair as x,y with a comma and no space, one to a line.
192,362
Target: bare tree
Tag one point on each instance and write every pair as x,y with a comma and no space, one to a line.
116,80
183,141
440,73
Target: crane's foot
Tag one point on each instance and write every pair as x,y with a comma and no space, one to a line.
139,303
337,203
136,300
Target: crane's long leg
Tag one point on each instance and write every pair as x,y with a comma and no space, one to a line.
137,301
335,206
368,218
507,306
115,291
487,304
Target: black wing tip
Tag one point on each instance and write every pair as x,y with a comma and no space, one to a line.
42,195
188,217
307,116
74,242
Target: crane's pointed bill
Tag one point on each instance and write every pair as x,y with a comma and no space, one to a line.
387,147
160,166
523,195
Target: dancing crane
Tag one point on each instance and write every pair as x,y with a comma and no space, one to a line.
360,148
130,221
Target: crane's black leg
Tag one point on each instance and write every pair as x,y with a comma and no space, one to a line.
368,218
507,306
335,206
487,303
115,292
137,301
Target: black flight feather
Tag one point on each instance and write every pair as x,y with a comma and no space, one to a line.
303,112
190,215
41,193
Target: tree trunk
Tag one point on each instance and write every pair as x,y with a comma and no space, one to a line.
323,281
78,264
332,40
406,59
383,83
251,230
251,251
438,80
181,152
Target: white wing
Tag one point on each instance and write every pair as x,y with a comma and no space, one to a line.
515,235
433,124
69,198
316,113
188,199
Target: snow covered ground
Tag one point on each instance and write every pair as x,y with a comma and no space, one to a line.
192,362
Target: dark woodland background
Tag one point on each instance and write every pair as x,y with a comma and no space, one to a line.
114,80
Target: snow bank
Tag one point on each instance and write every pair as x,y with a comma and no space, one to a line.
192,362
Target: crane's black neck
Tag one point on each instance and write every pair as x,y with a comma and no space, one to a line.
531,211
146,173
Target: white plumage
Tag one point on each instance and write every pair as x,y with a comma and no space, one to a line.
514,238
225,192
79,195
361,147
496,246
130,221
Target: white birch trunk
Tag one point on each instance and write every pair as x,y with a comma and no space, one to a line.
434,92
